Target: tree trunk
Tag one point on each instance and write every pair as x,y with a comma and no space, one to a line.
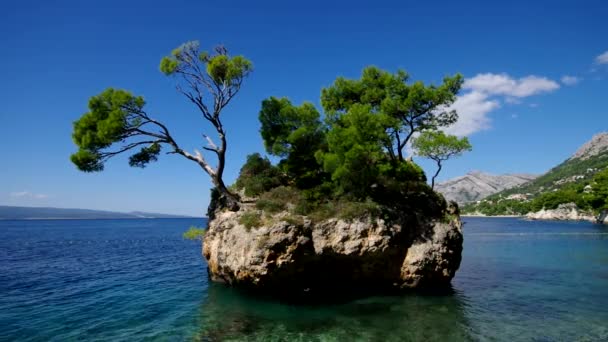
232,200
435,176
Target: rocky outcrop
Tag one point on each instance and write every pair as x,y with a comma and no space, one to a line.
566,211
476,185
292,257
597,145
603,217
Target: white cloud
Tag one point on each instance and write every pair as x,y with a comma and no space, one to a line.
570,80
487,92
503,84
602,59
27,194
472,109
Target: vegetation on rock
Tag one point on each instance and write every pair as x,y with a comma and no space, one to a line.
345,161
194,233
349,163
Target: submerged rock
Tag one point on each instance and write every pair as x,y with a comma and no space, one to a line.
298,257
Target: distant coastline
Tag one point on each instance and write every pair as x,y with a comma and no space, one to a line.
50,213
493,216
99,218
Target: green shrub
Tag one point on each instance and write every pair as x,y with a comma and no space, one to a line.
323,211
194,233
294,220
270,206
258,175
355,210
251,219
277,199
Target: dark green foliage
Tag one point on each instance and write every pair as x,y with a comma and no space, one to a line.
599,200
112,117
355,157
294,133
258,175
410,107
351,166
145,156
251,219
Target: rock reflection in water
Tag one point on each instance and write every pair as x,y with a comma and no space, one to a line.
228,314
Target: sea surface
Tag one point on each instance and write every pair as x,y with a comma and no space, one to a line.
138,280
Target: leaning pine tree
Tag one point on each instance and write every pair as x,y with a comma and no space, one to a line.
117,123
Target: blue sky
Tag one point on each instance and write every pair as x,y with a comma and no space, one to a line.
537,80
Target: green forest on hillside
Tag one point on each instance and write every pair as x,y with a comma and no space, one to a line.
583,182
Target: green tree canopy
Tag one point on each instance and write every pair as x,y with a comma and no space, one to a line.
294,133
367,124
439,147
117,122
413,107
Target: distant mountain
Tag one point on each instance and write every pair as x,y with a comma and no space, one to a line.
476,185
33,213
572,181
596,146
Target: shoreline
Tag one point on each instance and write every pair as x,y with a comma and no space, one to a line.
493,216
524,217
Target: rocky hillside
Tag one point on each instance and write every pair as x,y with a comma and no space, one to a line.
476,185
579,180
596,146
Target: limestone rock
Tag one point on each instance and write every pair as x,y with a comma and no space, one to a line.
287,257
566,211
475,185
603,217
597,145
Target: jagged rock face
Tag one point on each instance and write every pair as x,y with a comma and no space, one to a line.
475,185
332,256
566,211
597,145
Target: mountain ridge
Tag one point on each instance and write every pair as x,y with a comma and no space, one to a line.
580,179
52,213
476,185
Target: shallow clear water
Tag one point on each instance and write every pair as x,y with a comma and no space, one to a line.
139,280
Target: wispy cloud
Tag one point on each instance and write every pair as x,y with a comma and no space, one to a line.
570,80
602,59
503,84
485,94
27,194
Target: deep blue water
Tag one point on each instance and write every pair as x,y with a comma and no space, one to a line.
129,280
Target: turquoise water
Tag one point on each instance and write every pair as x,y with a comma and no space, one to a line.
129,280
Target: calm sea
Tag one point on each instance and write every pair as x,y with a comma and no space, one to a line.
130,280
